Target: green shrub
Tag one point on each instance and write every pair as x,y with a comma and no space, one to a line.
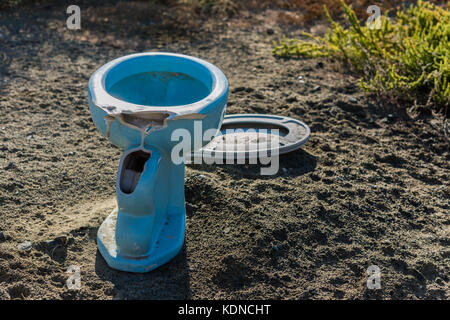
408,56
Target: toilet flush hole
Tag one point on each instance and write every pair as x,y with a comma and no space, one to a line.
132,169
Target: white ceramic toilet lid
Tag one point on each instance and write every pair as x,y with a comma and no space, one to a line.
249,136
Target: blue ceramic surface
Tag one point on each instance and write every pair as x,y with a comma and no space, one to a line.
137,102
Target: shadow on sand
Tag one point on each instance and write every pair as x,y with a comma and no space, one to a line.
170,281
293,164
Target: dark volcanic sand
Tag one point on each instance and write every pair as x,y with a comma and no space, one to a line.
367,189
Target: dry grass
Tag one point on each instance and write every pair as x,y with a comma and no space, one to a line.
303,12
294,12
10,3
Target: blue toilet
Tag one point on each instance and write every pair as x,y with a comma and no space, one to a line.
153,105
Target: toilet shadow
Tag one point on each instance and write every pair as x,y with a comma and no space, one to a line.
293,164
168,282
297,163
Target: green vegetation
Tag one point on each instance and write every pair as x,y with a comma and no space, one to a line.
408,56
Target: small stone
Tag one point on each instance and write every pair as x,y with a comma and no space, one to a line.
25,246
57,247
259,96
238,89
10,166
58,241
270,31
316,88
352,100
291,99
390,118
201,176
226,230
299,77
4,295
192,268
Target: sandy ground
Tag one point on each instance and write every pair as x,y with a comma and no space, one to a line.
371,187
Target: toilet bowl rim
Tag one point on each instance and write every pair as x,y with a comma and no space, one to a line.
112,105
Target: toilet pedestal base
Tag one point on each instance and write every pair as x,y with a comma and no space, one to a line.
167,246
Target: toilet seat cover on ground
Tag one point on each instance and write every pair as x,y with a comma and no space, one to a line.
255,134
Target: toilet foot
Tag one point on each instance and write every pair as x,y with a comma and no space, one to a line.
167,246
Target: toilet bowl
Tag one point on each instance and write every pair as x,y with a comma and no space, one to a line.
138,102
